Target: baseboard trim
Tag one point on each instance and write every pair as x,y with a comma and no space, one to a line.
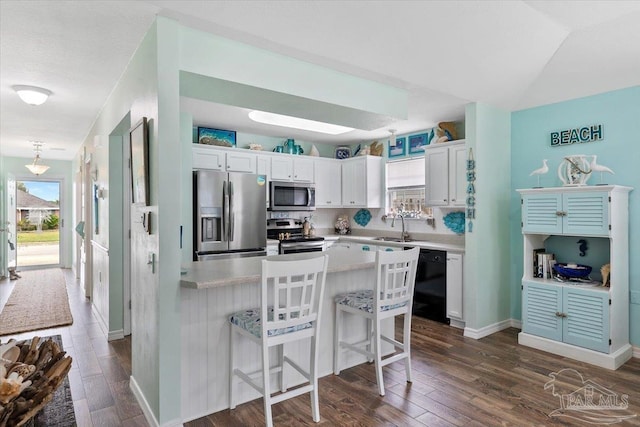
515,323
457,323
636,352
608,361
146,409
115,335
487,330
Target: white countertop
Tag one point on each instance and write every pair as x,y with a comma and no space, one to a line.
426,244
219,273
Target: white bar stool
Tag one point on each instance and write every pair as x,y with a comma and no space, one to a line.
296,289
392,296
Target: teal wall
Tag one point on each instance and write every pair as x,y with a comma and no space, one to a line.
619,114
486,261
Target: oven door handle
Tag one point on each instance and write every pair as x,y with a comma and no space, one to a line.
302,245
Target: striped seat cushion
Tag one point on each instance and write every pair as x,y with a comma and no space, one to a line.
249,320
363,300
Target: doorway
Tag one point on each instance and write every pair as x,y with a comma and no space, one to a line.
38,223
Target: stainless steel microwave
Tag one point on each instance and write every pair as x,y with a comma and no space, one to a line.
292,196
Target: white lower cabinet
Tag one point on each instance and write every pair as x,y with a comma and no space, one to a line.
454,286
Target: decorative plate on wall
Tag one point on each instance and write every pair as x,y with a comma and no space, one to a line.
455,222
362,217
343,153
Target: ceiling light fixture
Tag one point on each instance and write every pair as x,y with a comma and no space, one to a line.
392,138
32,95
297,123
36,168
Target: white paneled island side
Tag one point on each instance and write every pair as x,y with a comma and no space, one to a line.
212,290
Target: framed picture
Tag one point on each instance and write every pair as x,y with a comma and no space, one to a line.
399,149
219,137
139,146
417,143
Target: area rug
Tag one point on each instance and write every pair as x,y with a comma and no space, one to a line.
59,411
39,300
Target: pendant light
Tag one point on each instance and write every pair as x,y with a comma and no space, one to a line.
35,167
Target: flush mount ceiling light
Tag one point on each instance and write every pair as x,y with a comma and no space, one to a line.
297,123
32,95
35,167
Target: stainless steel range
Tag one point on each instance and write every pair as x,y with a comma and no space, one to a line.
289,232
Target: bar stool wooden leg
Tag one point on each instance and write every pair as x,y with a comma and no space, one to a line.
265,386
232,359
336,342
378,356
406,341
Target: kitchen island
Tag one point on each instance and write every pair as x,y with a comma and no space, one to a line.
212,290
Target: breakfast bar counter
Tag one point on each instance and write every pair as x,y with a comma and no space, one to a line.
236,271
212,290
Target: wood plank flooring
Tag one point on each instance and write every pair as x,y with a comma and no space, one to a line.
99,375
457,381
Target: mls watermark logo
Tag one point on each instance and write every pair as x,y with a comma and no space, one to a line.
586,400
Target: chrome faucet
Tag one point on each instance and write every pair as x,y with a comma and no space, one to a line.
393,223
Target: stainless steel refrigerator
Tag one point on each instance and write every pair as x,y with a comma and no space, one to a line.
229,212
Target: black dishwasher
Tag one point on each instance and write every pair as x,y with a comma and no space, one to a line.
430,292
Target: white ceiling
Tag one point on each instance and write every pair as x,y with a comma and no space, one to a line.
510,54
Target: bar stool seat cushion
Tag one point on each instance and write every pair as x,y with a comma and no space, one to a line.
249,320
363,300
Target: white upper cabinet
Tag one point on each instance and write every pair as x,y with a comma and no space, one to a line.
208,158
226,160
291,168
445,166
328,179
362,182
241,162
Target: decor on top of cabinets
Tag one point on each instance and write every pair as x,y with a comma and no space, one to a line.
599,168
219,137
376,148
314,151
574,170
455,222
540,171
398,149
418,142
362,217
343,153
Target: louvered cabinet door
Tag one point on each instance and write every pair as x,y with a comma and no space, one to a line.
586,214
541,306
542,213
587,318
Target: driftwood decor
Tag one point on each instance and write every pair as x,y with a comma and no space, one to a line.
29,375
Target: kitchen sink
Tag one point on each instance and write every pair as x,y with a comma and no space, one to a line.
392,239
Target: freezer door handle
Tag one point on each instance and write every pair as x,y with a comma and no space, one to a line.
232,215
225,211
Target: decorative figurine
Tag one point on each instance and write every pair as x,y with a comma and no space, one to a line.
541,171
599,168
574,171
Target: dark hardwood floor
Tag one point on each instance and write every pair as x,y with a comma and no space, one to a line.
457,381
99,375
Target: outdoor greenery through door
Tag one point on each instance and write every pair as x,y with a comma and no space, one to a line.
38,223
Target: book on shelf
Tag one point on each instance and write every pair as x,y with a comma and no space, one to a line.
536,263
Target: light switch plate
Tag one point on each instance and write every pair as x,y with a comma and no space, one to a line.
635,297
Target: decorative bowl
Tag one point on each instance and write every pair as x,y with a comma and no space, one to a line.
575,271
